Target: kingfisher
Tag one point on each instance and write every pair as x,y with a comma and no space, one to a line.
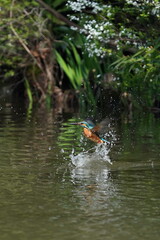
91,131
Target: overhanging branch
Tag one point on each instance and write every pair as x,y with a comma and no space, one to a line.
57,14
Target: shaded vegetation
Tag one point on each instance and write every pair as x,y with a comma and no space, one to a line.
91,48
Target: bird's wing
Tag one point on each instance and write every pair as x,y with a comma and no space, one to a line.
101,128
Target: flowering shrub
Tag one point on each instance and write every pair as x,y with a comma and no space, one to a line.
112,25
126,31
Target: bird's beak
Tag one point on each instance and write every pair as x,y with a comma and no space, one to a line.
77,123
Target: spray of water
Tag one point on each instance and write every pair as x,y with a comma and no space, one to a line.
94,155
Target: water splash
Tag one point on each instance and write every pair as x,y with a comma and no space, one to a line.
95,155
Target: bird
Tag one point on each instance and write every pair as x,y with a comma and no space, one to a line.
92,131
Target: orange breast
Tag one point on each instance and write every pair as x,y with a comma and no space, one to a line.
93,137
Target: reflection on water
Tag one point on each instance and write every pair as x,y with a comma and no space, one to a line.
91,164
56,184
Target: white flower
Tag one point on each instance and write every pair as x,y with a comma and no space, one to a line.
80,5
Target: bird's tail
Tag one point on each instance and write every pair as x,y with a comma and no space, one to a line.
104,140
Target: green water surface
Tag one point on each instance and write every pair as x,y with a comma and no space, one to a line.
54,184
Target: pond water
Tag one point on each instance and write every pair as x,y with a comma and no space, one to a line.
55,184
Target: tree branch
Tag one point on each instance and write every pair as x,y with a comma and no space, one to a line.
19,38
57,14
